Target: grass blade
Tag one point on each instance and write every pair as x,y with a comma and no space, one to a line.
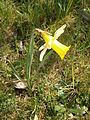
69,5
73,75
14,71
29,60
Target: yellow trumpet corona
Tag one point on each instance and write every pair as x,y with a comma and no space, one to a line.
51,42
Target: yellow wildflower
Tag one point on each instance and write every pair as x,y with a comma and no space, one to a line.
51,42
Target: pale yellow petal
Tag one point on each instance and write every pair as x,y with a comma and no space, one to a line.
42,47
43,53
59,31
35,117
39,30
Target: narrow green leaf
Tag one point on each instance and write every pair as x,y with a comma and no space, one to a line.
29,60
14,71
69,5
73,75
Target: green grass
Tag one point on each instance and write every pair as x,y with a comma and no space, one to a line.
56,88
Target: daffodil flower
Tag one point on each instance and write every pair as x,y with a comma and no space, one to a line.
51,42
